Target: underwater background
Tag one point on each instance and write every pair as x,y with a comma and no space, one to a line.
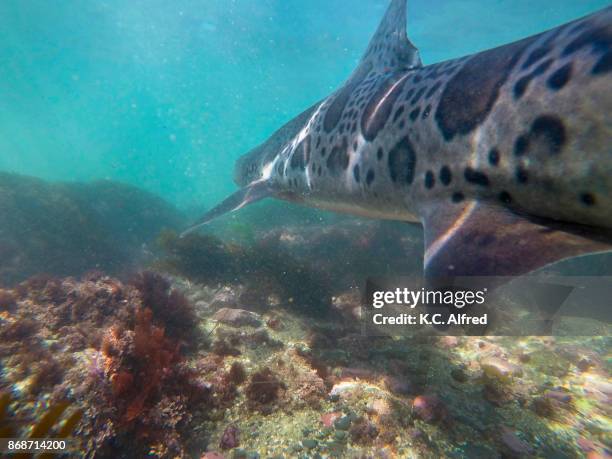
120,123
167,95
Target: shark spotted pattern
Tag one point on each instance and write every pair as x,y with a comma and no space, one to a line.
503,156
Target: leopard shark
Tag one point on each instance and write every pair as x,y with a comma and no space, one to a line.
503,156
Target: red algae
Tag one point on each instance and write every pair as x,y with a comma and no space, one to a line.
230,438
95,343
363,432
429,408
237,373
8,300
263,389
153,355
168,306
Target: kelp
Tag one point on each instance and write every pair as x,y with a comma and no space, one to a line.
48,425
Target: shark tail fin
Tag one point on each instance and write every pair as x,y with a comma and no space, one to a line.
244,196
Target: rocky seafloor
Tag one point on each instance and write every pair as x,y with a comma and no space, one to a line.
163,365
71,227
251,346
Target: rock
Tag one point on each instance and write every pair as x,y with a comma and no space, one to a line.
212,455
380,407
328,418
459,375
583,357
598,384
398,386
239,454
363,432
310,443
274,323
76,227
342,423
597,455
559,396
496,393
222,347
349,305
230,438
584,363
243,454
225,298
237,317
598,389
259,337
499,369
336,448
544,407
336,356
344,389
263,389
357,373
429,408
472,451
524,358
448,342
514,445
7,300
587,445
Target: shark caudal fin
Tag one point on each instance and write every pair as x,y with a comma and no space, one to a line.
476,239
244,196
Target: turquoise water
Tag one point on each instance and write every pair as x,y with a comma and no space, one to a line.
121,120
166,95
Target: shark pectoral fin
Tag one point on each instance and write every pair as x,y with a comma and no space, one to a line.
476,239
247,195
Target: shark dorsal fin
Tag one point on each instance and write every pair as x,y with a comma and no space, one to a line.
389,52
389,48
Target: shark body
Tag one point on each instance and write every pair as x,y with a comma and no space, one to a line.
504,156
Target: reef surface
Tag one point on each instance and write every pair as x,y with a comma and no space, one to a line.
226,350
70,228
